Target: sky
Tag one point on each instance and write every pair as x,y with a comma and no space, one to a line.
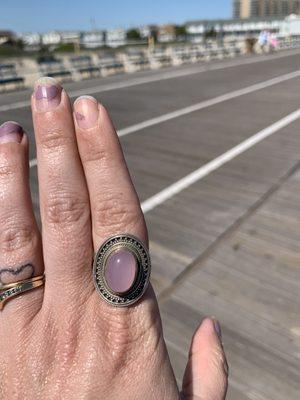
40,15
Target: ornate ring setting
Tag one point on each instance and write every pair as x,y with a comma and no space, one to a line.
121,270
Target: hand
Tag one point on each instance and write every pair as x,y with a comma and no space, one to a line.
62,341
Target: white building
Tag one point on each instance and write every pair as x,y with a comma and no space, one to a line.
147,31
93,39
58,37
51,38
70,36
234,27
5,36
116,37
31,39
291,26
166,33
252,27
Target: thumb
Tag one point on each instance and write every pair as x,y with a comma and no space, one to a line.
206,374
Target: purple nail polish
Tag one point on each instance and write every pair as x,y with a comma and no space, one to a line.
86,112
218,329
121,270
47,94
11,132
79,117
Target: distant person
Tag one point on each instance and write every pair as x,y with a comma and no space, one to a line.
263,40
69,331
273,42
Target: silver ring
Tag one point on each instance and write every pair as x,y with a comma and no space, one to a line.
121,270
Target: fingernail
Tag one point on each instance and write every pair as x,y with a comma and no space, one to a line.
11,132
86,112
218,328
47,93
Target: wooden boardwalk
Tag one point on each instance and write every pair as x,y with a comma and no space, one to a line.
250,280
228,245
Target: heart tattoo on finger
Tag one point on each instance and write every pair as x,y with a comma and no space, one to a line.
14,274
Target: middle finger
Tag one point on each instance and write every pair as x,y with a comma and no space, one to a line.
64,200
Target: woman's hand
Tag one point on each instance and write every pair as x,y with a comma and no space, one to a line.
62,341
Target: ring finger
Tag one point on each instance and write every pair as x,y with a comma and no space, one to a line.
20,243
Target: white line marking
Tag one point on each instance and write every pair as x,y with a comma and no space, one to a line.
199,106
207,103
15,106
218,162
156,78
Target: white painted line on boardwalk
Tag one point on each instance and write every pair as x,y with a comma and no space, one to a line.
218,162
207,103
156,78
200,106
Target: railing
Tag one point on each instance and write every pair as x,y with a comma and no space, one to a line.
289,43
9,78
84,66
54,68
110,65
95,65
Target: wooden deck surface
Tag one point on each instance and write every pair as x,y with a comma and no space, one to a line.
250,280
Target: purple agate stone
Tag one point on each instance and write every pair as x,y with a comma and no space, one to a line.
121,270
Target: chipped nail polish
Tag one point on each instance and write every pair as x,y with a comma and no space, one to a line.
47,93
11,132
86,112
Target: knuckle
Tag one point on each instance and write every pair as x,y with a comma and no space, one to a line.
64,209
127,333
6,171
115,213
7,166
93,153
52,138
15,236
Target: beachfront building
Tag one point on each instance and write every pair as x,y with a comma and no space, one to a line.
32,41
245,9
147,31
166,33
58,37
6,36
93,39
116,37
70,36
291,26
232,28
51,38
31,38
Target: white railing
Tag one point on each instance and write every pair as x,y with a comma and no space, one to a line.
132,61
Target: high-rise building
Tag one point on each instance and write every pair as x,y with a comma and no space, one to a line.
236,8
264,8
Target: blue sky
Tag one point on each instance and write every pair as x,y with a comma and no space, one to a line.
39,15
